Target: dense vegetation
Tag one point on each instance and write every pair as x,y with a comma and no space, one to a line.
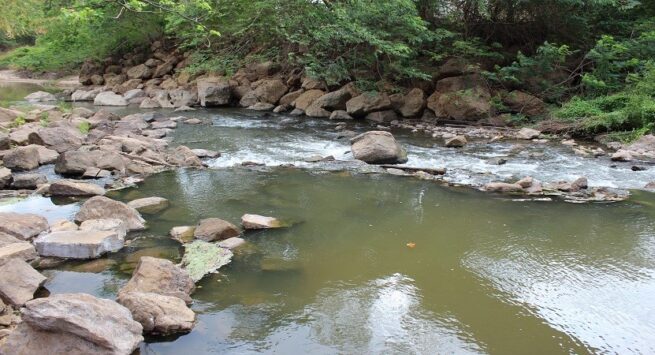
595,58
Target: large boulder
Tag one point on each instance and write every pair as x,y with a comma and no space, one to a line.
162,277
214,91
385,116
140,71
643,148
84,95
212,229
19,281
266,91
100,207
307,98
80,244
202,258
22,158
27,181
366,103
75,162
413,103
524,103
158,314
289,98
40,96
335,100
464,98
12,247
72,188
60,139
74,324
109,98
184,156
24,226
149,205
378,147
254,221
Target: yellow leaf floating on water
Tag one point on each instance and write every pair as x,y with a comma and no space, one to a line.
411,245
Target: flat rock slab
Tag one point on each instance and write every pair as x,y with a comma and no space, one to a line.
21,250
253,221
149,205
79,244
202,258
160,276
19,281
23,226
70,188
158,314
102,322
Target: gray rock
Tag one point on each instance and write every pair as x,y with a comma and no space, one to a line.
106,225
72,188
40,96
340,115
80,244
109,98
19,281
204,153
214,91
182,234
160,276
5,178
232,243
60,139
365,103
15,249
528,133
28,181
100,207
149,205
22,158
158,314
378,147
456,142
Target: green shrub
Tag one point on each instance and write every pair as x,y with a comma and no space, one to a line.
84,127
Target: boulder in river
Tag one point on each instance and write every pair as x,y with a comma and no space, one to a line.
202,258
100,207
254,221
109,98
109,225
74,324
28,181
19,281
232,243
22,158
24,226
149,205
12,247
182,234
212,229
378,147
413,103
80,244
158,314
503,187
367,102
214,91
456,142
40,96
160,276
72,188
528,133
60,139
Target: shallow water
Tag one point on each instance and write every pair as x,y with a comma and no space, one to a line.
486,275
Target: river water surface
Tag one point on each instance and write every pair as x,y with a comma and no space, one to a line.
486,275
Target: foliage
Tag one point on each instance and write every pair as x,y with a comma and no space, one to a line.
84,127
44,119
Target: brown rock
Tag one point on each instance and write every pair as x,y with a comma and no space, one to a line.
158,314
19,281
212,229
71,188
23,226
307,98
367,102
378,147
100,207
160,276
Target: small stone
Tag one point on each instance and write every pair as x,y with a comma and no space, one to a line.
193,121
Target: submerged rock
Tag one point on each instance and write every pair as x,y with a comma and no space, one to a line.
81,244
100,207
253,221
202,258
74,324
158,314
378,147
19,281
149,205
160,276
23,226
212,229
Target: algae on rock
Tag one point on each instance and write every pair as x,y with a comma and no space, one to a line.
201,258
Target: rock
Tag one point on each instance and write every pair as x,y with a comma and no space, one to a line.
22,158
212,229
289,98
579,184
164,69
413,103
60,138
253,221
378,147
502,187
158,314
296,112
340,115
23,226
214,92
526,182
462,98
40,96
193,121
456,142
643,148
204,153
75,162
108,98
100,207
367,102
134,96
162,277
82,112
81,244
335,100
183,234
84,95
269,91
313,84
5,178
385,116
183,156
149,205
231,243
72,188
14,248
75,324
28,181
63,225
202,258
46,156
19,281
528,133
622,155
140,71
149,103
5,142
95,173
261,106
307,98
524,103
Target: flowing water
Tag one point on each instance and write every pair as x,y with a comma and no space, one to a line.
486,274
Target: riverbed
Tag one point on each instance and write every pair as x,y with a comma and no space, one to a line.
374,263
